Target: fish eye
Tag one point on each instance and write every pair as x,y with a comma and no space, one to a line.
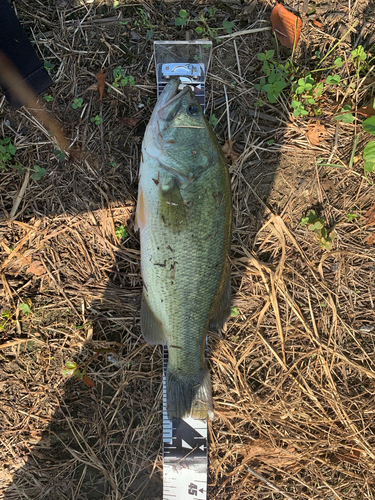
193,110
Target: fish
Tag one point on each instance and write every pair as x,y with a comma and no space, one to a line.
184,215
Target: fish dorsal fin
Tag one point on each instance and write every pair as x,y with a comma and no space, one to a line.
140,214
221,312
152,328
171,206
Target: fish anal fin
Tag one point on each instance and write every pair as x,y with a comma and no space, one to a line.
152,328
221,313
140,214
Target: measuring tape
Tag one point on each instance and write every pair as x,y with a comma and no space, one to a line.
185,455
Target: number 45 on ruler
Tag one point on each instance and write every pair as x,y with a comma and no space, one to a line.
193,489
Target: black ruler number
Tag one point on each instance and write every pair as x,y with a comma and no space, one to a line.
193,489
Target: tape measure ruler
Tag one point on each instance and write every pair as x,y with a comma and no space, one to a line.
185,454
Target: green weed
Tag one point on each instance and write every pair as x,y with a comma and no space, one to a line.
121,232
7,153
318,226
351,216
48,98
77,103
96,119
276,78
25,308
39,172
213,121
306,90
59,154
48,66
234,311
182,19
144,21
204,29
120,79
4,318
346,116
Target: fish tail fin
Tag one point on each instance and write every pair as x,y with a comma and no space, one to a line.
189,396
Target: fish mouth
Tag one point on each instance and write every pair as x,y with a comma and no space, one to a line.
169,105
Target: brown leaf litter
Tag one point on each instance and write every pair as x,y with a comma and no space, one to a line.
316,133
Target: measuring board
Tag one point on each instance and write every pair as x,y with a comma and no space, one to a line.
184,440
184,453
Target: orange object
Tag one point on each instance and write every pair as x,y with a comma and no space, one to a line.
286,25
317,23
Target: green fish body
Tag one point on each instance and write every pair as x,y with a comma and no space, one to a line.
184,214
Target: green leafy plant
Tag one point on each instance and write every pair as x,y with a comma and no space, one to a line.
73,370
304,84
276,76
234,311
96,119
48,66
121,232
7,153
359,56
333,79
338,62
204,28
182,19
25,308
77,103
272,86
59,154
228,26
144,21
39,172
120,79
345,115
351,216
369,157
308,91
299,109
213,121
318,226
48,98
4,318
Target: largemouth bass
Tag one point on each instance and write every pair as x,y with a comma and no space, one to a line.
184,213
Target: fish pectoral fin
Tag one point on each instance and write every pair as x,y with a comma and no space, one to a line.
152,328
221,312
171,207
140,214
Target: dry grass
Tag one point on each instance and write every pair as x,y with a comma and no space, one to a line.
294,372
